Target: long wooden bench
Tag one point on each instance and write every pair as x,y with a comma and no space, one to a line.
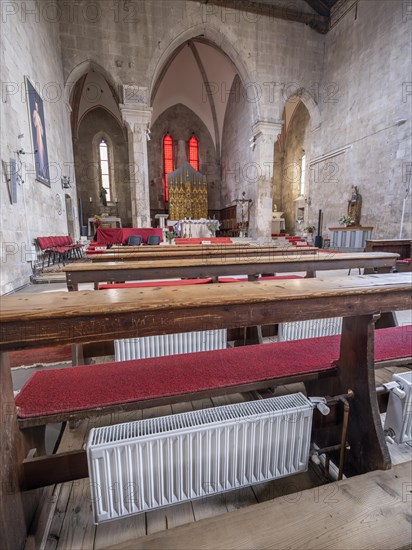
203,252
80,317
203,268
144,383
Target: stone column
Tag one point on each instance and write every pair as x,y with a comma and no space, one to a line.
138,120
265,134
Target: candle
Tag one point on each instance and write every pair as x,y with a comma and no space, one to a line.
90,199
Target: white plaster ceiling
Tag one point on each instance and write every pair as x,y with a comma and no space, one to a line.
183,82
96,92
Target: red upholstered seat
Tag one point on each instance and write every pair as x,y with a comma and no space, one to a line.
183,282
88,387
92,386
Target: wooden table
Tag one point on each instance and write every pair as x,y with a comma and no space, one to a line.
207,267
159,253
52,319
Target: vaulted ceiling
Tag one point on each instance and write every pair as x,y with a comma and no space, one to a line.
317,16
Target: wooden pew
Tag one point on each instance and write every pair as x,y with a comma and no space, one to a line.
60,318
202,253
170,269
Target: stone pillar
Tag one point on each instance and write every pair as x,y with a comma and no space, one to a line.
265,134
138,120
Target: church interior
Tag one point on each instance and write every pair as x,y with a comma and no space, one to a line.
206,316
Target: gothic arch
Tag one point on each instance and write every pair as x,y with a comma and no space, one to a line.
309,102
221,38
82,69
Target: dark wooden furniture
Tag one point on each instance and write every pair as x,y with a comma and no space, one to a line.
252,267
33,321
228,221
396,246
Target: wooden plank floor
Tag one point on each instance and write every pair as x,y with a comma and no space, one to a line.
71,525
365,512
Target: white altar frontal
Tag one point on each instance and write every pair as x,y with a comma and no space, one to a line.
198,229
350,238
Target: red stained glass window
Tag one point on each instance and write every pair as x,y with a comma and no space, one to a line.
194,152
168,160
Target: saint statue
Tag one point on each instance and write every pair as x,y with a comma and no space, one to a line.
355,205
103,194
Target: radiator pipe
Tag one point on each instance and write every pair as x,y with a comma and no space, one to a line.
346,410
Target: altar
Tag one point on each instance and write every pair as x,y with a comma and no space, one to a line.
105,221
203,228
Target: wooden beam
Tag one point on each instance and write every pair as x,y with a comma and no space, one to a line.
320,7
50,469
317,22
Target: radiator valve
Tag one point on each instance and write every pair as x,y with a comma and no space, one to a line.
320,404
395,388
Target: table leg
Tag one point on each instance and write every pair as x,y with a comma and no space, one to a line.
15,507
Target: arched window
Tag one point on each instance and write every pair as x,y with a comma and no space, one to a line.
303,175
105,168
168,164
194,152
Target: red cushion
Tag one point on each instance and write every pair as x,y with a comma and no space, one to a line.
92,386
74,388
103,286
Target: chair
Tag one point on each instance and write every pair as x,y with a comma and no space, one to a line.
153,239
134,240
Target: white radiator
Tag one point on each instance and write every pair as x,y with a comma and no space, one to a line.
312,328
138,466
169,344
398,420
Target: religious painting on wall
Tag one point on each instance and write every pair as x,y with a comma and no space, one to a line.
38,132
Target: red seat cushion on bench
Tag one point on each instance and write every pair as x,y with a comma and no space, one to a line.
88,387
103,286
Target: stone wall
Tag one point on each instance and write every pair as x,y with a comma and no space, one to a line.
297,138
180,122
30,46
96,123
364,96
238,167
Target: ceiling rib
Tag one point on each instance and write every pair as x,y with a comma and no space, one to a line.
209,94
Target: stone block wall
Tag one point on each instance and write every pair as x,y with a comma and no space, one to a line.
365,98
238,168
30,46
99,122
297,140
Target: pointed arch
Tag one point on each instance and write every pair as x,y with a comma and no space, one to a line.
222,39
82,69
309,102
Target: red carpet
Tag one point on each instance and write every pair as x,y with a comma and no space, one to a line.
82,388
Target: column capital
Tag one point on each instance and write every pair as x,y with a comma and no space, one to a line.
266,128
136,115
